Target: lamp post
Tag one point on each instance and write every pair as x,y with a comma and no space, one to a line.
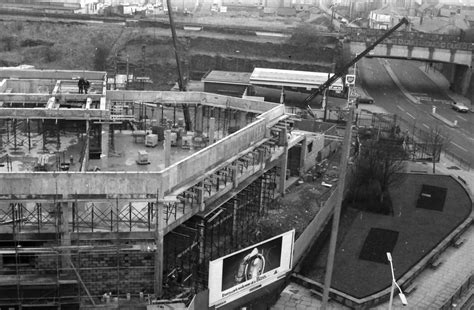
394,283
333,11
354,20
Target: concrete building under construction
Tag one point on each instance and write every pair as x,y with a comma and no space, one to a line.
106,192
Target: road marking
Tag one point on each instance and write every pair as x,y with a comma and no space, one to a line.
462,118
454,143
426,126
410,115
401,108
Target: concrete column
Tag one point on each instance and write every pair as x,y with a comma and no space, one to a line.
304,151
242,119
389,48
261,159
462,78
159,236
198,126
284,162
235,179
105,140
65,235
202,206
202,245
410,51
167,148
212,129
234,218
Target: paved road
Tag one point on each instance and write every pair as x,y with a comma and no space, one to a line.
387,95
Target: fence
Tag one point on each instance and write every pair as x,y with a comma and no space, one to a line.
411,130
451,303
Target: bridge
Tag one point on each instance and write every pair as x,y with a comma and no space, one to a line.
418,46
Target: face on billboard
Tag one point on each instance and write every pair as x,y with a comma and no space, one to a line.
237,274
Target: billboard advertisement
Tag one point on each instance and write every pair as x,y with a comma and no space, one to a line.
237,274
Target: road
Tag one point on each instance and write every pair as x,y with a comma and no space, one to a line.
376,80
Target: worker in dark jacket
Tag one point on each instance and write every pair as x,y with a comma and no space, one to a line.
87,84
81,84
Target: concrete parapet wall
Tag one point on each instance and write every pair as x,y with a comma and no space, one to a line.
50,74
65,114
171,97
197,164
24,185
304,241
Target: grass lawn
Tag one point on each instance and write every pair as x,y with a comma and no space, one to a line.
419,231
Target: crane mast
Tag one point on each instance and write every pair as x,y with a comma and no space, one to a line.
187,116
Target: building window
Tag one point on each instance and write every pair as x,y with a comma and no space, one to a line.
310,147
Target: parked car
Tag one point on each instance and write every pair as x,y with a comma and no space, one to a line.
363,97
458,106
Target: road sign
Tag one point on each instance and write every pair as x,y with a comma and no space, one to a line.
353,93
350,79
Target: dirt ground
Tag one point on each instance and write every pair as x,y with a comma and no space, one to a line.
302,201
148,51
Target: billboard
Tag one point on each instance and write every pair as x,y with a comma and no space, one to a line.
240,273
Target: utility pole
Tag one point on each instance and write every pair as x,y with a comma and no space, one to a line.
346,148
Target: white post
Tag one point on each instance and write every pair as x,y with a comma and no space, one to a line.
392,289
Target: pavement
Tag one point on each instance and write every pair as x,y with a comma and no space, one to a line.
434,287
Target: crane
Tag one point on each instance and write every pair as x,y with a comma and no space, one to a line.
342,71
187,116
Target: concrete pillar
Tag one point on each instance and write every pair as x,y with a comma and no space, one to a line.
167,148
410,51
284,162
198,126
234,218
202,206
389,48
242,119
212,129
159,236
65,235
235,179
105,140
202,244
304,151
412,11
462,78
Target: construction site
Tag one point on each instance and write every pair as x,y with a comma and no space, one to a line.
128,195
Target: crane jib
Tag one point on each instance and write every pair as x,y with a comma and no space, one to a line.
343,70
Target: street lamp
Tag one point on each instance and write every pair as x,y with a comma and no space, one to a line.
354,20
394,283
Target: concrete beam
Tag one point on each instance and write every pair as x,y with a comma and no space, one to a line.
44,113
50,74
68,184
194,98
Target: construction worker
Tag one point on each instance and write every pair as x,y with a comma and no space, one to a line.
86,86
80,84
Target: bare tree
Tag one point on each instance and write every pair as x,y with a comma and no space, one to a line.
435,141
379,165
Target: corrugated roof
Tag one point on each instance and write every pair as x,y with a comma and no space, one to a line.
217,76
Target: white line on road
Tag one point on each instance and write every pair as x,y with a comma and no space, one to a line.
462,118
426,126
401,108
410,115
459,146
